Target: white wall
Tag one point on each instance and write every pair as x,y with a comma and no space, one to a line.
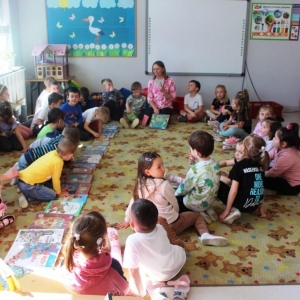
274,65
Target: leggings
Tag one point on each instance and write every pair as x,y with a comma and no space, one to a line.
281,186
232,131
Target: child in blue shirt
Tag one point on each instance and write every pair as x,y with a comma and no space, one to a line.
73,112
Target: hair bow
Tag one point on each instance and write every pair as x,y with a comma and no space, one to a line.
290,127
77,236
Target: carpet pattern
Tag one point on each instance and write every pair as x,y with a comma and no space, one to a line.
260,251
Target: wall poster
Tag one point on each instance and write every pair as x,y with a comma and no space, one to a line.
93,28
270,21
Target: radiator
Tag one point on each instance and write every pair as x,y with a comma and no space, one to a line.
15,82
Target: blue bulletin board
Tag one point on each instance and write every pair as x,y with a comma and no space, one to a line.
93,28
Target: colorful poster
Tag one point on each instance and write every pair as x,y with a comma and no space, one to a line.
93,28
270,21
295,23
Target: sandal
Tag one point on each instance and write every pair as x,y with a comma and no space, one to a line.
9,219
154,291
182,287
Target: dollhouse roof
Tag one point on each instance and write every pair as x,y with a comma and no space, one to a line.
58,49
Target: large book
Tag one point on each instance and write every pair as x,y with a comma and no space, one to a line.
64,207
95,150
82,170
79,178
35,248
89,159
75,198
51,221
77,188
84,165
159,121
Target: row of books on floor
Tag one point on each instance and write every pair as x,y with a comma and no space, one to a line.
40,244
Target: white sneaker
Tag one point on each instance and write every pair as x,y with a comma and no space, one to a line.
234,214
228,147
208,239
135,123
23,203
213,215
206,217
124,123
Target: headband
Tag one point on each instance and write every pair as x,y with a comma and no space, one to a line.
148,159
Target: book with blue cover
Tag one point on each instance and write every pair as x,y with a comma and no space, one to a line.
159,121
95,150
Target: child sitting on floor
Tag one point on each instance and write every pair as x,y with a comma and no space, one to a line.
95,117
89,268
135,104
112,99
42,98
148,249
193,104
55,122
73,112
10,134
268,129
266,111
33,181
198,190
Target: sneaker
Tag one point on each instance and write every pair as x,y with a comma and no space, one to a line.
206,217
213,215
228,147
234,214
208,239
182,119
124,123
217,138
135,123
216,130
213,123
232,141
23,203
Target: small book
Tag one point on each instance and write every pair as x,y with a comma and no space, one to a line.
51,221
79,178
109,130
159,121
112,126
77,188
75,198
35,248
84,165
95,150
82,171
90,159
64,207
97,142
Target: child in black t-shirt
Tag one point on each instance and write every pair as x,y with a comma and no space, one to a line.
243,190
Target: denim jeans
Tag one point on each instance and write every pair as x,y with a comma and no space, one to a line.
22,163
232,131
38,192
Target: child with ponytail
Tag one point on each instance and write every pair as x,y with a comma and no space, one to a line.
89,267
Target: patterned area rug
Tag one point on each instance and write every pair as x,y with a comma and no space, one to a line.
261,251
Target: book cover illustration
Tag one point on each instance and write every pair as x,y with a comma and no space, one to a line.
90,159
109,131
64,207
79,178
97,142
159,121
77,188
108,135
75,198
51,221
82,170
111,127
35,248
83,165
95,150
102,138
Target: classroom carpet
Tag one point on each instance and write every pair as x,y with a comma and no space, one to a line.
260,250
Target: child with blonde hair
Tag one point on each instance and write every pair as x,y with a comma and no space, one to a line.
41,101
89,268
284,177
220,106
94,118
243,189
266,111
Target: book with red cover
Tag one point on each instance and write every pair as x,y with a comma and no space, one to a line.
77,188
51,220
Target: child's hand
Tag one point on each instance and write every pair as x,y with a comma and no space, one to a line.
156,110
96,135
225,127
122,225
64,193
224,174
128,111
224,214
24,149
191,158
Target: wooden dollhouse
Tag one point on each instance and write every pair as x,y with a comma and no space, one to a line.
51,60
